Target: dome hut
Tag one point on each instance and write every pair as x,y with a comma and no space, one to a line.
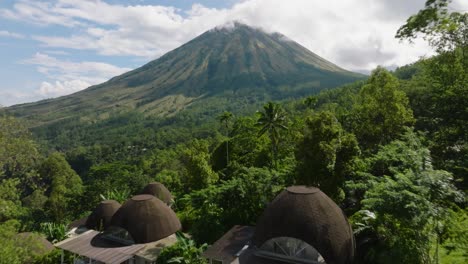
101,216
146,219
307,215
158,190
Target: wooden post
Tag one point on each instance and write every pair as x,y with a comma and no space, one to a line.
62,257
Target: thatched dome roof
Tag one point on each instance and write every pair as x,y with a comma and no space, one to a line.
146,219
101,216
159,191
306,213
33,243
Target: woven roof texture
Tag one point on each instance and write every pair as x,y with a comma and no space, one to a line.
101,216
306,213
159,191
146,218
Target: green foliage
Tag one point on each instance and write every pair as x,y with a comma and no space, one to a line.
239,200
197,173
53,257
445,30
64,186
325,154
185,251
119,195
112,176
53,231
426,21
10,202
454,238
246,148
272,120
18,154
381,112
15,249
9,252
225,118
408,199
438,94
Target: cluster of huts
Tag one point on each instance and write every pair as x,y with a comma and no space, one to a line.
301,225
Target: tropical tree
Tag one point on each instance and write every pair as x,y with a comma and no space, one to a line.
120,195
444,29
112,176
10,203
439,94
381,112
197,172
54,232
184,251
224,119
18,154
311,101
325,154
10,252
64,186
406,205
272,120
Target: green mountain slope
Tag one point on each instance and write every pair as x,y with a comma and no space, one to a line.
238,64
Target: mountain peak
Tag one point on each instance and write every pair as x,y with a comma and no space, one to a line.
234,60
237,26
232,25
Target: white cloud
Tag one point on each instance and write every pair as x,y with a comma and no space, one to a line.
90,71
37,12
354,34
59,88
68,77
4,33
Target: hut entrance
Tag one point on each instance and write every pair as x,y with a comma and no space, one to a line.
290,250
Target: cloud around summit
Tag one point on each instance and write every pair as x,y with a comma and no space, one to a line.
356,35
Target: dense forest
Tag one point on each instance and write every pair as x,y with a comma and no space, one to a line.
391,150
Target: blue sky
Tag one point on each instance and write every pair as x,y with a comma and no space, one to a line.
57,47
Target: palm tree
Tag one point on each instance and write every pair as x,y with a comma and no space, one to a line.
311,101
272,120
225,118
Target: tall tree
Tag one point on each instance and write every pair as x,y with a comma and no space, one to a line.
224,119
445,29
325,154
311,101
440,98
18,154
405,203
197,172
381,111
272,120
65,186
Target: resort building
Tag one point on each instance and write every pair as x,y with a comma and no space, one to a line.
301,225
132,233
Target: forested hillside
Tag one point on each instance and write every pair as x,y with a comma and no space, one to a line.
391,150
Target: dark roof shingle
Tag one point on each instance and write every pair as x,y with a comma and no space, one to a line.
226,248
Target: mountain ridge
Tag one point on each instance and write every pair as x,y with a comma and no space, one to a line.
239,61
